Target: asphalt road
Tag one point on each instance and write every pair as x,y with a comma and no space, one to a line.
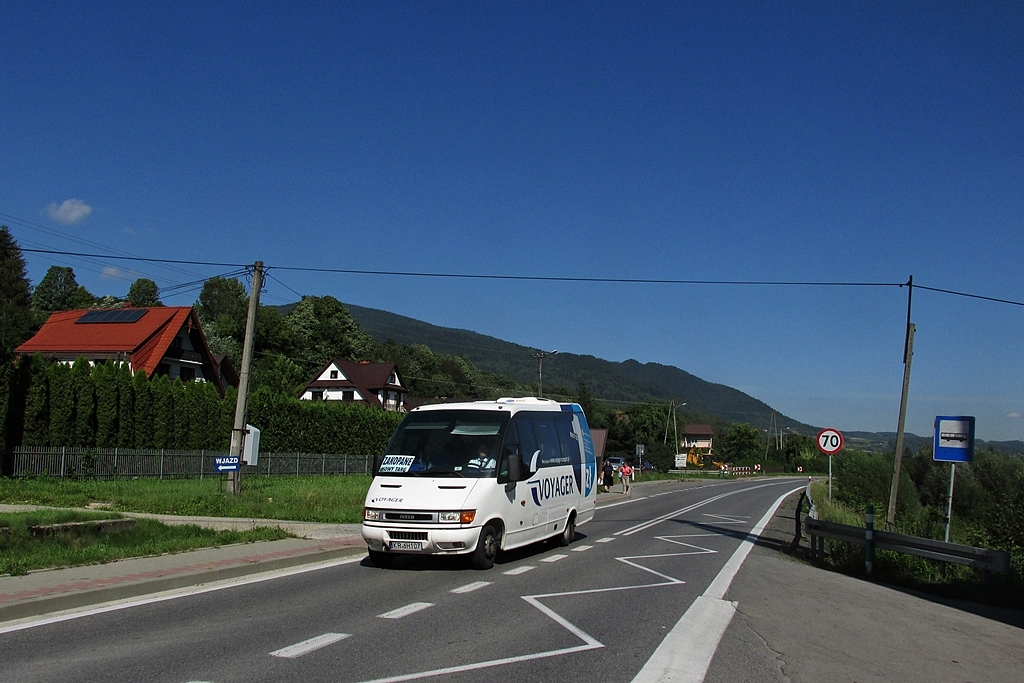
595,611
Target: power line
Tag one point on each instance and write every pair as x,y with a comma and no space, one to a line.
539,278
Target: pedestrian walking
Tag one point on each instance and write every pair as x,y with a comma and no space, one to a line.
625,472
608,472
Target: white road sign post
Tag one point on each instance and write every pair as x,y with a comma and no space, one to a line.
830,442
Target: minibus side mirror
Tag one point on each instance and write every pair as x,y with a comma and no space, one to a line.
378,460
513,464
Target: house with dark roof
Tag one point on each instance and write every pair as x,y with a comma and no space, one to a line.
165,340
700,438
375,384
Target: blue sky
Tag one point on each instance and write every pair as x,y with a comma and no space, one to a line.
855,142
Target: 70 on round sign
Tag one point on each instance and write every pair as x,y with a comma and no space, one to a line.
830,441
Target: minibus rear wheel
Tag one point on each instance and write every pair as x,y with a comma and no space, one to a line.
486,548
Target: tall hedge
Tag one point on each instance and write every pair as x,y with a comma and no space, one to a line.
107,406
289,425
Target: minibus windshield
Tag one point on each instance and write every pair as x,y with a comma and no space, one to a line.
445,443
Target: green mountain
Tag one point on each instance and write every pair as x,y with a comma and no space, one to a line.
627,381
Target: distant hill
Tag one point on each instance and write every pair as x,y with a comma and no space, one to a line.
609,381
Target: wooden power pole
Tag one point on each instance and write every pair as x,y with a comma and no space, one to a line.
242,404
908,355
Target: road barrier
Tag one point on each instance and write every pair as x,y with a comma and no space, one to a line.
979,558
110,463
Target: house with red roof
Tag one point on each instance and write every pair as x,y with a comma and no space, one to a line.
165,340
375,384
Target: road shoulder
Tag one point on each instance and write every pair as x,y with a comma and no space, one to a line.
796,622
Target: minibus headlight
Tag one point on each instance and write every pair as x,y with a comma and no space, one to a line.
372,515
457,516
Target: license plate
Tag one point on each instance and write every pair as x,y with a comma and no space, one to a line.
405,545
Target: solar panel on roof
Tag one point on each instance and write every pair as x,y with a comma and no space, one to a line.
115,315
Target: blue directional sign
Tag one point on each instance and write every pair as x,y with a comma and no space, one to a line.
227,463
954,439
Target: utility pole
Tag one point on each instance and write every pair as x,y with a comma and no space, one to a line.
908,355
234,486
540,356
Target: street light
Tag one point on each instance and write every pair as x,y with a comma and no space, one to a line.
540,356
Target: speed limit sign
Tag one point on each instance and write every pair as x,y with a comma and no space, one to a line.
830,441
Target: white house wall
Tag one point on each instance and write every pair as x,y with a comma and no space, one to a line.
326,375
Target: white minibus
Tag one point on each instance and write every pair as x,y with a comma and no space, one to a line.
475,478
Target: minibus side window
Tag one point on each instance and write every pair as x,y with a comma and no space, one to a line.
521,422
572,447
547,441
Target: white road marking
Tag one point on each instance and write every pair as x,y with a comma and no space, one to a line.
519,570
658,520
411,608
608,539
307,646
470,587
686,652
729,519
581,548
554,558
114,605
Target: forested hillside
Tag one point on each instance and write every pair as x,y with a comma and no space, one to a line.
607,380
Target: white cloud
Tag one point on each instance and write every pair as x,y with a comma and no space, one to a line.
1015,416
70,211
110,272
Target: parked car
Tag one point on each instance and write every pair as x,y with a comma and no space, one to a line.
648,465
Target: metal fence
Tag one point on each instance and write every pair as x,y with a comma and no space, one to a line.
109,463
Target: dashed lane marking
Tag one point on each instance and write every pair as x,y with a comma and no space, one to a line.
519,570
470,587
554,558
608,539
307,646
411,608
581,548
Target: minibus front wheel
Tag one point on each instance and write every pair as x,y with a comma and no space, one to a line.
380,559
486,548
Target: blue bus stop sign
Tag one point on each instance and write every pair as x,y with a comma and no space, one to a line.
954,439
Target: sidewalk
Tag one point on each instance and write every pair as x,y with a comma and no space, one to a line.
796,622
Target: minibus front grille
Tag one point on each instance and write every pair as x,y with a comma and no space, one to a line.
410,516
407,535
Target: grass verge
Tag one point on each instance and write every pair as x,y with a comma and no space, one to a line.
901,569
21,552
337,499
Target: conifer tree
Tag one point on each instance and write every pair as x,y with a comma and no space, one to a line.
125,406
36,425
104,377
142,390
62,406
85,404
17,321
180,422
163,412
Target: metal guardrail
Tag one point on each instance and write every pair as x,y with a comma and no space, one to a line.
108,463
979,558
